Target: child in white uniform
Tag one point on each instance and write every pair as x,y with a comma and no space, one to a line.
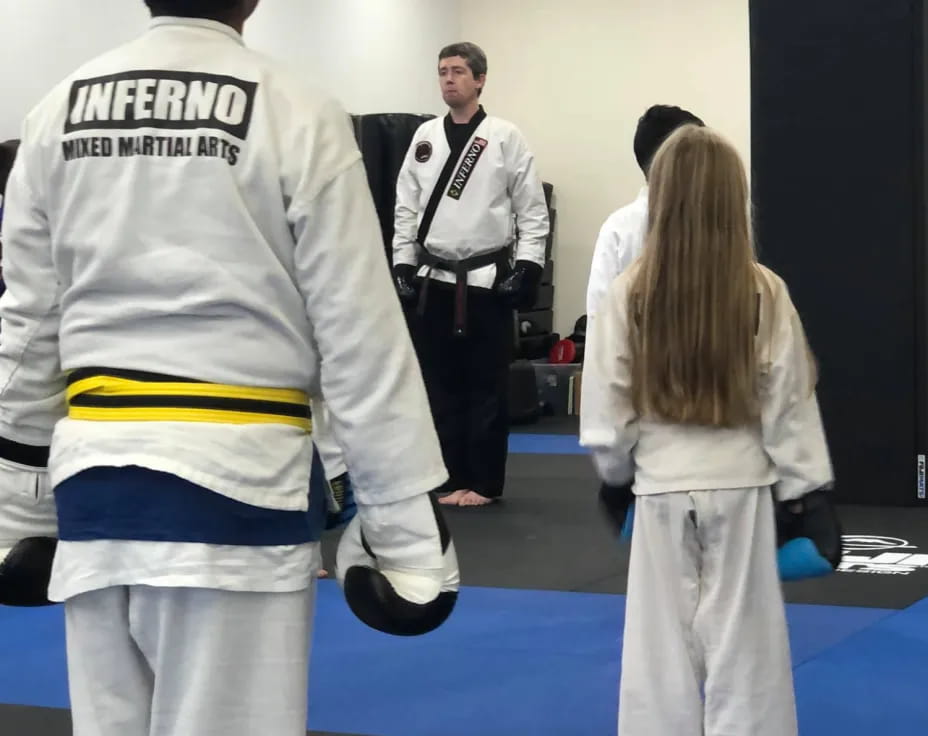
699,387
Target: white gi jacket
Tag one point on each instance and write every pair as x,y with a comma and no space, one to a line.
620,242
494,190
330,452
787,447
183,205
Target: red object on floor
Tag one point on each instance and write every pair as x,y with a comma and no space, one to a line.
564,351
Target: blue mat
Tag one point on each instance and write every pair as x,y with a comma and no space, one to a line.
539,663
545,444
872,683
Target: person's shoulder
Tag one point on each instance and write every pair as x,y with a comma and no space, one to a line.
428,128
55,102
507,131
506,128
628,217
771,281
292,89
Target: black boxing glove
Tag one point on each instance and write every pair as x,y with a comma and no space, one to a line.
25,572
617,504
398,568
404,276
28,533
521,286
808,537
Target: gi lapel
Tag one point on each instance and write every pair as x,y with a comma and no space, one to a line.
457,146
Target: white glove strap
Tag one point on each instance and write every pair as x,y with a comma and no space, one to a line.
404,536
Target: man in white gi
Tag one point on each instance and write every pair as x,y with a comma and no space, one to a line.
621,240
191,253
621,237
467,195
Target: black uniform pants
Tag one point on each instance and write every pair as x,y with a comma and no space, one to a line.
467,379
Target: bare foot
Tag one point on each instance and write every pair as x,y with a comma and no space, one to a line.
472,498
453,499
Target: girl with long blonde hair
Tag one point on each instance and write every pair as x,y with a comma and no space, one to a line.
699,389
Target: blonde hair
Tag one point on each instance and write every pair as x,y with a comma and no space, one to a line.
693,301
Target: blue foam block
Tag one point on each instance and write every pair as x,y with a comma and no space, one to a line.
629,526
545,444
799,559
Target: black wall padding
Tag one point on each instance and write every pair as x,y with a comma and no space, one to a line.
838,163
384,139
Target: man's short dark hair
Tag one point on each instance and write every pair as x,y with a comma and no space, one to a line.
655,126
192,8
470,52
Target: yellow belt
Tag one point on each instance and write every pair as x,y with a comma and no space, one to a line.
107,395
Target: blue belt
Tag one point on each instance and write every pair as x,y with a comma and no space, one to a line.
139,504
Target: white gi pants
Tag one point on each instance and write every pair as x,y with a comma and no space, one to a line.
705,651
145,661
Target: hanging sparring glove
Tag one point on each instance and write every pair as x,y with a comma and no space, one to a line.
28,534
404,276
397,566
617,504
808,537
25,572
341,508
521,286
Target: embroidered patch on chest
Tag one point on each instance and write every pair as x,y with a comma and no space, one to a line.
423,152
460,179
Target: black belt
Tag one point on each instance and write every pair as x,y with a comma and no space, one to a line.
32,455
460,268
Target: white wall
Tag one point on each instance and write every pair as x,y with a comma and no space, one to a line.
374,55
43,41
576,76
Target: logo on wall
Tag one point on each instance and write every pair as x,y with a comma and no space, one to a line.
875,555
423,152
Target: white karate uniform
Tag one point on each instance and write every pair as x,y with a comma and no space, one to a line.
501,199
330,452
27,505
620,242
209,219
705,645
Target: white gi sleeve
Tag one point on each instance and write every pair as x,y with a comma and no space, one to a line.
528,200
608,420
604,269
32,384
330,452
370,376
406,213
793,435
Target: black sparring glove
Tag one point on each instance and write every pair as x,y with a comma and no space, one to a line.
521,286
617,504
808,537
398,568
28,535
404,276
25,572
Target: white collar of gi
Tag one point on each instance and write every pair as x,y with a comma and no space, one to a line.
643,192
201,23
